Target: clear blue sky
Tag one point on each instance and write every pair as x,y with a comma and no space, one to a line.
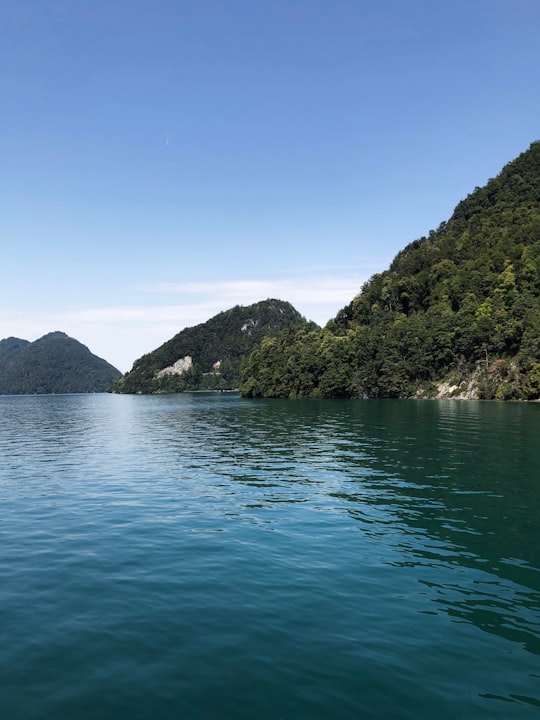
162,161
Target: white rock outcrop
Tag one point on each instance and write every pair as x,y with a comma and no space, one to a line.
181,366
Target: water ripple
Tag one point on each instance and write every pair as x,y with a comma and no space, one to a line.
204,556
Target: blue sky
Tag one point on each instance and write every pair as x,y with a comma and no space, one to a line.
163,161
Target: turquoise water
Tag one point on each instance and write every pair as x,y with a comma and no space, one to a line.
208,557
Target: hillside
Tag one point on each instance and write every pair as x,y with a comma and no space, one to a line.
457,313
55,363
10,345
208,356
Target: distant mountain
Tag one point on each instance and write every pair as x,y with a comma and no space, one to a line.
208,356
55,363
10,345
457,313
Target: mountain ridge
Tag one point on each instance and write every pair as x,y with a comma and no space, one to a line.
459,308
208,356
54,363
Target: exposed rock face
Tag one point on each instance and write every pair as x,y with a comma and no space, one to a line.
249,325
466,390
500,381
181,366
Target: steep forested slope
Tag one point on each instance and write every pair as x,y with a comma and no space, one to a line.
208,356
55,363
458,306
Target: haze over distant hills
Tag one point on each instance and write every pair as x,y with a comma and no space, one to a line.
208,356
55,363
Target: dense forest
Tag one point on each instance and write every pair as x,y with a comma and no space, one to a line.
55,363
209,356
457,313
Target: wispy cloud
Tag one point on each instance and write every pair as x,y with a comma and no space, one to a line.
313,289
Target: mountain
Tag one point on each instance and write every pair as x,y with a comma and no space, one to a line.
208,356
55,363
456,314
10,345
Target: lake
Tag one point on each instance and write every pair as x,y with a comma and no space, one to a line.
208,557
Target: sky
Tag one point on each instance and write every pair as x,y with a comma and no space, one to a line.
164,160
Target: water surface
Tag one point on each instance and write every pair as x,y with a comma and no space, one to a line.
203,556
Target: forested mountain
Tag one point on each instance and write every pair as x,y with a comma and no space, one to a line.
55,363
208,356
10,345
457,313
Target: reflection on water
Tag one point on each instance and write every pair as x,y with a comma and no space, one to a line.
461,479
359,534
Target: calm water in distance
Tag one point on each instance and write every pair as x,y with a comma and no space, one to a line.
208,557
